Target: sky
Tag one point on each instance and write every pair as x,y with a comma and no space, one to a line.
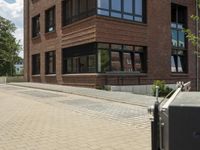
13,11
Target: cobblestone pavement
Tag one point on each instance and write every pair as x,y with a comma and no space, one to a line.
32,119
122,97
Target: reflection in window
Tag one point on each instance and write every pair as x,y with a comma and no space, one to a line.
92,63
103,4
178,62
83,64
36,26
69,65
138,7
115,61
127,62
126,9
128,6
75,65
103,60
50,62
138,62
174,38
181,37
74,10
178,23
116,5
50,19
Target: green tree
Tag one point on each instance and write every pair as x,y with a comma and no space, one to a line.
194,37
9,47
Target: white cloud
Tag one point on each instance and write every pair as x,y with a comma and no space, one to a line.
14,12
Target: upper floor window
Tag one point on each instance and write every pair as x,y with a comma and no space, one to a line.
50,20
179,44
178,23
36,26
73,10
133,10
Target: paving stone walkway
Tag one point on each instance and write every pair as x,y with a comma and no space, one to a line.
122,97
33,119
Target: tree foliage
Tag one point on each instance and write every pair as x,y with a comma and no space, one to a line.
193,36
9,47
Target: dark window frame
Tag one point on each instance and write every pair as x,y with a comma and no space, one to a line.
50,56
177,49
80,15
36,26
107,65
36,64
48,24
123,13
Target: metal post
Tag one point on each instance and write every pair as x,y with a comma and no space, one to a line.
155,128
197,47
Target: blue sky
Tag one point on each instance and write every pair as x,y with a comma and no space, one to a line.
13,10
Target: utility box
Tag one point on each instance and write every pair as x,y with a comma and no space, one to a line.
180,122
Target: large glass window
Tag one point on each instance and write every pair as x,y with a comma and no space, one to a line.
116,61
80,59
178,61
103,60
127,62
104,57
50,20
73,10
124,9
36,64
179,45
50,62
36,26
123,58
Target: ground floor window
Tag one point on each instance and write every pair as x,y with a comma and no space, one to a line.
50,62
104,57
179,61
36,64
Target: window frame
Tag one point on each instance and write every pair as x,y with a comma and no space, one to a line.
36,64
176,50
47,19
36,26
80,15
124,13
47,62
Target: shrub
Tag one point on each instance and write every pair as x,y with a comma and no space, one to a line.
163,89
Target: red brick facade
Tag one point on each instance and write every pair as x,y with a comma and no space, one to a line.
155,35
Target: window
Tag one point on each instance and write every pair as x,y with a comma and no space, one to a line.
50,62
123,58
36,26
74,10
79,59
178,61
104,57
127,62
92,63
116,61
50,20
133,10
36,64
179,45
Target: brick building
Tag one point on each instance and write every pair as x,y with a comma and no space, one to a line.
108,42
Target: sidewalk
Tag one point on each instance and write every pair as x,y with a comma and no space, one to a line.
122,97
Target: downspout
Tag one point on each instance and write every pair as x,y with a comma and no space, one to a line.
197,46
